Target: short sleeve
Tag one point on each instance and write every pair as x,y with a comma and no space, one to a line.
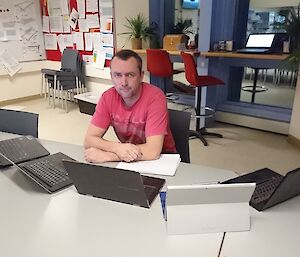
157,116
101,117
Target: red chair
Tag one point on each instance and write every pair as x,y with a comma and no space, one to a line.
199,81
159,65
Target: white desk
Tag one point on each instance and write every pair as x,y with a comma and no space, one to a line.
274,233
34,223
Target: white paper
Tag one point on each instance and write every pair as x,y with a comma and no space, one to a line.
88,39
68,40
88,59
10,30
93,20
81,8
50,41
100,59
61,43
46,23
78,38
56,24
54,7
92,5
73,18
64,41
66,25
83,25
109,52
9,63
106,8
107,40
64,5
97,40
165,165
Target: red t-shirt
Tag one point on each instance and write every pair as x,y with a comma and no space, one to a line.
147,117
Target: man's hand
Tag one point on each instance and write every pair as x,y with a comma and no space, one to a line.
95,155
128,152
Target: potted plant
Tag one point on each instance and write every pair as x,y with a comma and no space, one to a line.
138,30
183,27
291,24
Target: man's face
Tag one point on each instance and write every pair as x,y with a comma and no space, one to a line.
126,78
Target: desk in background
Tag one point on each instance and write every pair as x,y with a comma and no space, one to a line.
229,66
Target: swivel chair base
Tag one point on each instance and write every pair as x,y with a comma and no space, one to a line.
201,133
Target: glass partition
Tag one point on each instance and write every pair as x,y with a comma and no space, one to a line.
276,87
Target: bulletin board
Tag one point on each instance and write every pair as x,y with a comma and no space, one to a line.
21,35
85,25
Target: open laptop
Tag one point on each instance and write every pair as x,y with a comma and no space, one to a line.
193,209
114,184
258,43
271,187
36,162
20,149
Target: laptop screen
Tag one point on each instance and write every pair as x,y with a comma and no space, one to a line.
260,40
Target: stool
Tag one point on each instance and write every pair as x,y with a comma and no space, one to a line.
254,88
198,81
159,64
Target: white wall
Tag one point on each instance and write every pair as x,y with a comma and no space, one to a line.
128,8
27,82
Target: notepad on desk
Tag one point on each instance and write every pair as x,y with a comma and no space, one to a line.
166,165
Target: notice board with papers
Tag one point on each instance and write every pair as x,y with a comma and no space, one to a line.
85,25
21,35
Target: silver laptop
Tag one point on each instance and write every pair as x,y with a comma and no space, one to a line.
193,209
114,184
258,43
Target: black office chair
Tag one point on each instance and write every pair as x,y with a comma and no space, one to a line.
180,125
17,122
66,82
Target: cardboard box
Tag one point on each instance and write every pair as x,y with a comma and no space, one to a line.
173,42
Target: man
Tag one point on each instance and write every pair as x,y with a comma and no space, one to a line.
136,110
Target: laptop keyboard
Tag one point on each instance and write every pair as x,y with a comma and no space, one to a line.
264,190
4,162
49,170
22,149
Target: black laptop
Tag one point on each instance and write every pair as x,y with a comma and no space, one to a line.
36,162
258,43
271,187
114,184
20,149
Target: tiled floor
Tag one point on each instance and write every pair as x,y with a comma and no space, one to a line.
241,150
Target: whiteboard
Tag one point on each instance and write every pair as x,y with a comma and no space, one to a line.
21,29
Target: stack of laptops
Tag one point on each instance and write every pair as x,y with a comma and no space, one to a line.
258,44
36,162
271,187
114,184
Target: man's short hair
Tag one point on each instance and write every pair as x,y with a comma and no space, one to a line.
126,54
